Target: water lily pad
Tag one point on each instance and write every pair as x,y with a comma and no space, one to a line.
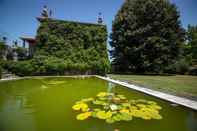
103,114
124,111
87,100
83,116
113,107
121,97
110,120
126,117
102,94
117,117
126,104
80,106
98,102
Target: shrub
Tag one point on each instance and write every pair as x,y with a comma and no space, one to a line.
21,68
22,53
51,65
0,71
179,67
193,70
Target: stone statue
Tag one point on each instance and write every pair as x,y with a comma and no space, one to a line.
45,12
100,19
50,13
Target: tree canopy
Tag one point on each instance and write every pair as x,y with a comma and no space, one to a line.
146,36
192,43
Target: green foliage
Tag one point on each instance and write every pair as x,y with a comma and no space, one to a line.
21,53
44,65
2,49
20,68
72,46
65,48
191,47
0,71
50,65
146,36
179,67
193,70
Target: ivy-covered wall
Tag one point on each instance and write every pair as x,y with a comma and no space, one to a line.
76,48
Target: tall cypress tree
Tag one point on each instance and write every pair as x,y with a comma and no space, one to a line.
146,36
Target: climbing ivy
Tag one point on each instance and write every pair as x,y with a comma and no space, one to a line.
81,46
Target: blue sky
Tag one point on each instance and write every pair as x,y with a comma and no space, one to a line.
18,17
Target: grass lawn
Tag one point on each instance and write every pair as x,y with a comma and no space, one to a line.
180,85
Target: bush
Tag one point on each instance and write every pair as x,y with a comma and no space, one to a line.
21,68
0,71
22,53
44,65
193,70
179,67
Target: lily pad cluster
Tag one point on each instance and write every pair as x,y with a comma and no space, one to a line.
113,107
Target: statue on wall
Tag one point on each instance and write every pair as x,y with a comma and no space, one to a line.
100,19
44,12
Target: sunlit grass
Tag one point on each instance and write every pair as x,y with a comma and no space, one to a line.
181,85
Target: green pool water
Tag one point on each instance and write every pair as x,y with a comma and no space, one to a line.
39,104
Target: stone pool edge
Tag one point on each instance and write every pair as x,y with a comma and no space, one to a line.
164,96
29,77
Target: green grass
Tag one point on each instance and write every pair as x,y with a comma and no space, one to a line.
180,85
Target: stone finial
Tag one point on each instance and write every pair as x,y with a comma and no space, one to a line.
44,12
4,39
50,13
100,19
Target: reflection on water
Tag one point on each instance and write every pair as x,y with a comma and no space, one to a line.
192,121
110,87
17,114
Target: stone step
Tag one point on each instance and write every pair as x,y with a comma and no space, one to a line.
6,74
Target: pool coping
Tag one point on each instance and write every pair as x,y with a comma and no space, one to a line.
29,77
164,96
